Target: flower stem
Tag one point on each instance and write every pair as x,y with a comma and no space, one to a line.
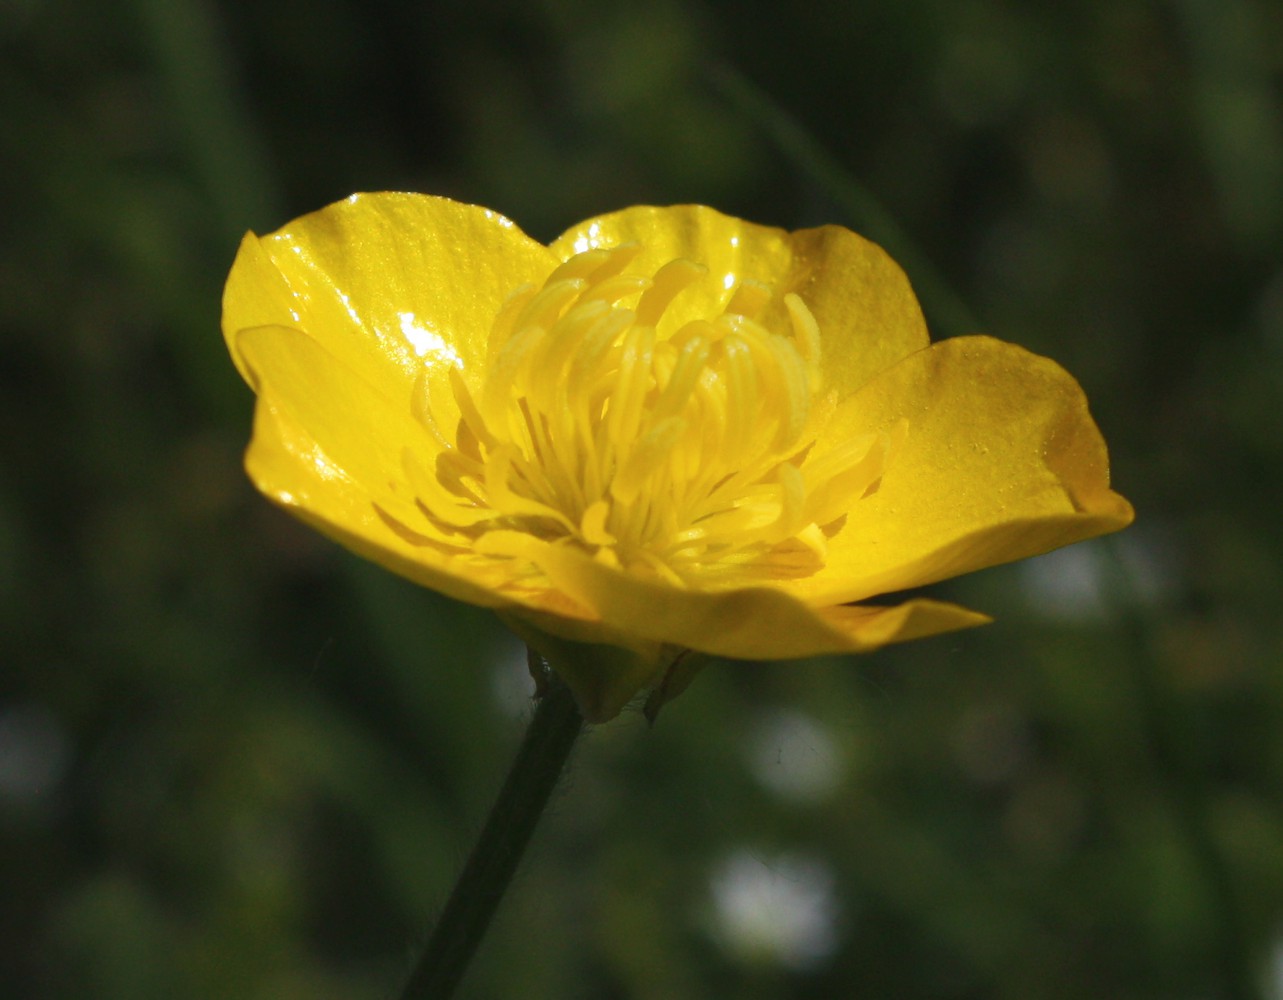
495,856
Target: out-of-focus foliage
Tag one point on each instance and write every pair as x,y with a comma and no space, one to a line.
235,762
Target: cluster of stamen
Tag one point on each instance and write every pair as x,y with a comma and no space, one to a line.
689,455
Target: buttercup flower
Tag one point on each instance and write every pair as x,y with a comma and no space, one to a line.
669,430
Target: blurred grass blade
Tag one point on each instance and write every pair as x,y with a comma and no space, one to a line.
947,311
195,65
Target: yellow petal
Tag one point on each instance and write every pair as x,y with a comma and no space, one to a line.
606,668
861,300
753,623
324,447
377,333
1001,460
385,282
868,627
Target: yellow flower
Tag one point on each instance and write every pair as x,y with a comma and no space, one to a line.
669,430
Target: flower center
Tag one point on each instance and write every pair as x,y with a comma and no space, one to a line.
685,451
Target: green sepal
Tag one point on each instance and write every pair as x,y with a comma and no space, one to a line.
603,678
681,671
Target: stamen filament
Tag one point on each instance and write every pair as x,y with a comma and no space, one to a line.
685,454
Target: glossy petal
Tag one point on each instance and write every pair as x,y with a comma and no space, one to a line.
757,623
696,444
1001,461
385,282
859,296
326,447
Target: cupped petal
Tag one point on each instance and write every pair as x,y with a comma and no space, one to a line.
327,447
1001,461
354,323
387,282
867,313
757,623
732,249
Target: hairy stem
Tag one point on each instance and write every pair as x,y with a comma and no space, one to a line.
495,856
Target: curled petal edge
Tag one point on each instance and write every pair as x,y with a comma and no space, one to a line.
751,623
647,625
1002,461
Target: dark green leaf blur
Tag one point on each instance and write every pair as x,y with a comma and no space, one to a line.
236,762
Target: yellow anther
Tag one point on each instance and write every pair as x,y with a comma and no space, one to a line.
678,453
617,259
595,266
545,377
507,502
806,332
468,412
504,380
741,395
421,397
547,304
815,547
682,379
444,506
795,387
645,457
582,265
619,287
700,328
669,281
843,476
626,402
506,320
749,299
592,526
592,353
792,499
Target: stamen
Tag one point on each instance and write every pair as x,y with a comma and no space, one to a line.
469,415
806,334
794,386
548,303
682,379
596,265
505,374
741,393
593,524
558,347
687,455
444,506
421,397
646,457
506,321
614,289
669,281
509,503
625,412
618,258
749,299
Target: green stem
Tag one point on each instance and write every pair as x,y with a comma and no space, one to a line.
495,856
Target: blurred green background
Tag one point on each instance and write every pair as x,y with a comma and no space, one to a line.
236,762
